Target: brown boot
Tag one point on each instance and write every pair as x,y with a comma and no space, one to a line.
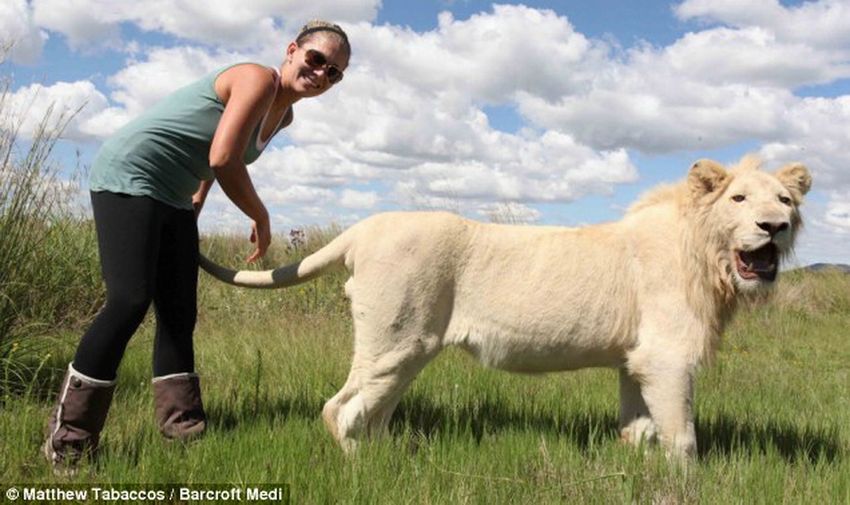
74,426
178,407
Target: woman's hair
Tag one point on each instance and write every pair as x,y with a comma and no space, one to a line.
314,26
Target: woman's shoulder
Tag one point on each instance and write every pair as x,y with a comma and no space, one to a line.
253,71
246,76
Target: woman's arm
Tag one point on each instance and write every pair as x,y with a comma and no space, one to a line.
248,91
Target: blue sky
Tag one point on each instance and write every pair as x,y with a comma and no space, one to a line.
551,112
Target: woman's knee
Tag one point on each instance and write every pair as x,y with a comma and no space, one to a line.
130,305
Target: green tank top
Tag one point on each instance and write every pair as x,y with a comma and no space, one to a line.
164,153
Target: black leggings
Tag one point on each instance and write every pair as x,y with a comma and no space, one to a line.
148,252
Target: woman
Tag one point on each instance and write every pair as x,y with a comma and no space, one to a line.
148,184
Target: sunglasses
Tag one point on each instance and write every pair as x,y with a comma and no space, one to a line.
318,60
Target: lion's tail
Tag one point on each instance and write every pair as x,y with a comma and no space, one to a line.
333,254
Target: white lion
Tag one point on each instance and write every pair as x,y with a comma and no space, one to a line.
649,294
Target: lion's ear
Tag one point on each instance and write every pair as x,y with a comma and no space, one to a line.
706,176
795,177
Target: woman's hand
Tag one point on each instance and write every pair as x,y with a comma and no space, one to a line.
200,196
261,236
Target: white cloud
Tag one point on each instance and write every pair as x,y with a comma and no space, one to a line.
705,91
32,107
346,11
752,55
838,211
295,194
351,199
816,131
820,23
826,234
326,166
19,34
545,169
642,110
82,22
490,56
232,23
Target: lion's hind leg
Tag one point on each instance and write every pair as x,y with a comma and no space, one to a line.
380,373
636,424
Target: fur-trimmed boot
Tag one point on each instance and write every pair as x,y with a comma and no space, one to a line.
74,426
178,407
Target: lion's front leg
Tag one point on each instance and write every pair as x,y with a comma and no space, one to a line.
636,424
668,393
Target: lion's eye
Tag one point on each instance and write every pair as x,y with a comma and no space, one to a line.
739,198
785,200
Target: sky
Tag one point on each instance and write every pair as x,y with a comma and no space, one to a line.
542,112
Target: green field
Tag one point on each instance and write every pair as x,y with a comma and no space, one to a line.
772,413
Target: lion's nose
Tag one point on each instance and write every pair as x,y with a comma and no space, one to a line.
772,228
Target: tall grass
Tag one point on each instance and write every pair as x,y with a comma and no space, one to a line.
809,294
48,256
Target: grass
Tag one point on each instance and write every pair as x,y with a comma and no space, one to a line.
771,415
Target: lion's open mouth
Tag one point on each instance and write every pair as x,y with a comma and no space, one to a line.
761,263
